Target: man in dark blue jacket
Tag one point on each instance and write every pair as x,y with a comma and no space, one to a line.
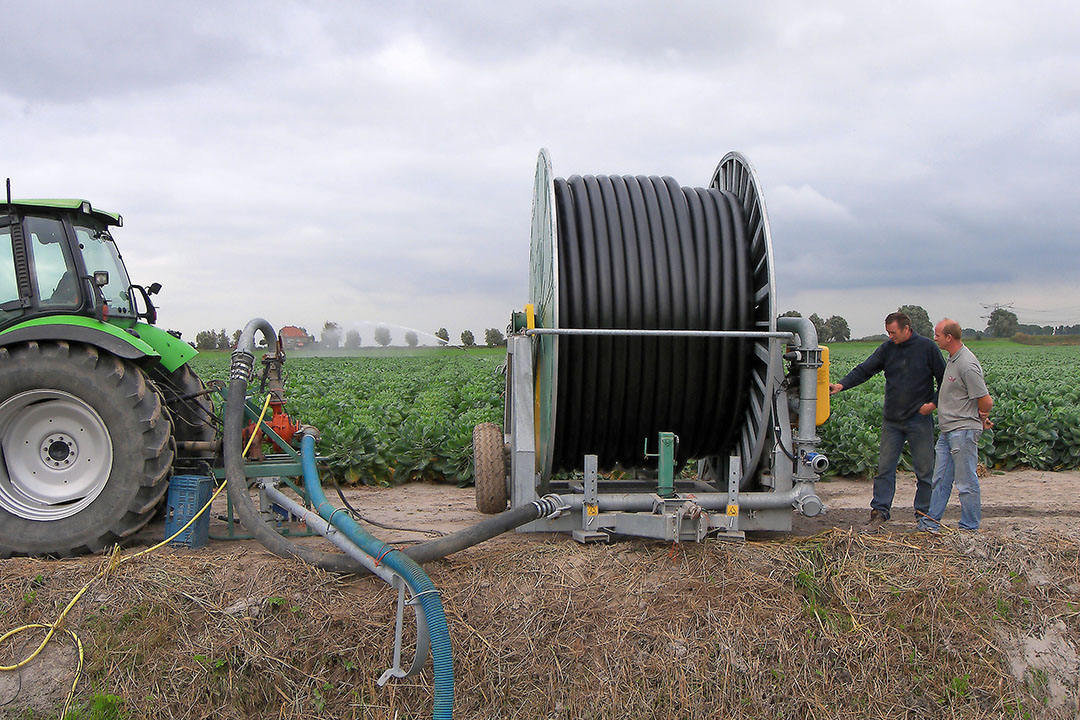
912,364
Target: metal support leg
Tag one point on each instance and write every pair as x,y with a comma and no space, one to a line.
590,511
732,531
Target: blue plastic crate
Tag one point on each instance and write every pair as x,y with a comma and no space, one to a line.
187,495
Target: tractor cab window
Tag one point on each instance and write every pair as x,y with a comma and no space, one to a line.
99,253
55,276
9,289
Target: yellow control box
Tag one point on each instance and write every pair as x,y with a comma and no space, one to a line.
823,405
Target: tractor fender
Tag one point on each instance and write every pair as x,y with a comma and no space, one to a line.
114,340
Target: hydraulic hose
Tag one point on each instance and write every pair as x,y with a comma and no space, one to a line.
420,585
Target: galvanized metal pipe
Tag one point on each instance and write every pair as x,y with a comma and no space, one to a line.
801,493
806,439
662,333
328,531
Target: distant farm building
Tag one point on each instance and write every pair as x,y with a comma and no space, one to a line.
293,337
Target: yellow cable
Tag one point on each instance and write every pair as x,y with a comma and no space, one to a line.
115,560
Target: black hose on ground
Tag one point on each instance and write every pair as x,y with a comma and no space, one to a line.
481,531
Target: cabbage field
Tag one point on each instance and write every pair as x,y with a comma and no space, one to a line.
389,418
1036,391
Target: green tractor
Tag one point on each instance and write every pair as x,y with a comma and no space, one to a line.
97,405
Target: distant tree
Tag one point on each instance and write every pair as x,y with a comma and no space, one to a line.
791,313
467,338
206,340
836,329
1002,323
920,320
382,335
236,337
493,337
352,339
410,339
1035,329
819,325
969,333
443,334
331,334
223,340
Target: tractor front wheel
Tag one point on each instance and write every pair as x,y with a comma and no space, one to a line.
85,449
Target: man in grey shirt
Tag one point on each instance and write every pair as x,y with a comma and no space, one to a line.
963,413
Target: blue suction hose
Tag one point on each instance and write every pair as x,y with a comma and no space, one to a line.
423,590
404,563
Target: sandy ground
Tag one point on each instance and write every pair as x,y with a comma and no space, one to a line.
1019,501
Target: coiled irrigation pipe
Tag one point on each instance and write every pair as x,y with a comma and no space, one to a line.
644,253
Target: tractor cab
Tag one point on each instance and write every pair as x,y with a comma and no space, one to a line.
58,257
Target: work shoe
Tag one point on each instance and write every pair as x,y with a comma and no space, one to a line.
876,521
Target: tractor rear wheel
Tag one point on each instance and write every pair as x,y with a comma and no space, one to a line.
489,468
85,449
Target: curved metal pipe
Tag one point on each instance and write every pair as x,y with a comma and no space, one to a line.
806,438
246,343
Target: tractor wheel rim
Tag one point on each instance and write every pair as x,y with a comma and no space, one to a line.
57,455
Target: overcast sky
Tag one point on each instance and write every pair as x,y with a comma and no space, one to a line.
314,161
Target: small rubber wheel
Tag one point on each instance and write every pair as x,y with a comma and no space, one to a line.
489,468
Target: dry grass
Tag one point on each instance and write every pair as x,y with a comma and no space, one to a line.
840,625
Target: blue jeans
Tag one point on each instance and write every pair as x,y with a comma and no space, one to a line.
957,454
918,432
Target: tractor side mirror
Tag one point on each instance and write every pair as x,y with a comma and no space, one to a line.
150,313
154,289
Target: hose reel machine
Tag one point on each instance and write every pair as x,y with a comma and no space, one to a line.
651,340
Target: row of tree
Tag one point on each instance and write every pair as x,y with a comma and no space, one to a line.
1002,323
493,337
332,338
835,329
214,340
1048,329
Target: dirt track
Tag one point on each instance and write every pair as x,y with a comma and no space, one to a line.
1016,501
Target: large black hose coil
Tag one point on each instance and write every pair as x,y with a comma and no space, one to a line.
635,252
